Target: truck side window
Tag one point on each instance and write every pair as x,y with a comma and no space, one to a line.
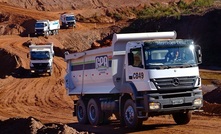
137,57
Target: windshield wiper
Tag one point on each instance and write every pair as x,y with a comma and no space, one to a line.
159,67
187,65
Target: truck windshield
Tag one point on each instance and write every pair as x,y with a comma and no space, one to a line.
182,56
39,25
70,18
40,55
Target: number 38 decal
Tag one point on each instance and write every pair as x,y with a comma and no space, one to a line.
138,75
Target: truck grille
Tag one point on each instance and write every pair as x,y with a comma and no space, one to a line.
175,83
40,65
39,30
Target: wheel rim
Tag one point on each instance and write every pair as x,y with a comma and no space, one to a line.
80,112
92,113
129,114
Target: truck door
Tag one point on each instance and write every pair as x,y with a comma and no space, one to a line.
135,71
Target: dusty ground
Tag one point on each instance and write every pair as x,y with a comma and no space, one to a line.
40,104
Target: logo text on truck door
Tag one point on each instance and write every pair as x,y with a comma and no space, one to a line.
101,63
138,75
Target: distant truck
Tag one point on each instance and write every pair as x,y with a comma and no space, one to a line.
68,20
141,75
46,27
41,58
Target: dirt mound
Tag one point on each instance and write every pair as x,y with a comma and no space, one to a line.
212,102
9,63
213,96
211,108
33,126
15,24
52,5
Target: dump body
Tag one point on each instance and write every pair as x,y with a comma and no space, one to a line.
68,20
46,27
41,58
141,71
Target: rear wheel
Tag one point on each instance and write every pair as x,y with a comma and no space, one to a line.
182,117
130,115
94,112
81,112
56,32
47,34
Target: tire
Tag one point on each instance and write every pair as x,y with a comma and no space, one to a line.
182,118
130,115
51,72
94,112
81,112
47,34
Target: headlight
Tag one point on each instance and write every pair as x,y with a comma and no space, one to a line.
32,71
154,105
198,102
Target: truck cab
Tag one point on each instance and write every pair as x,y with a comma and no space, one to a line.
41,27
41,59
167,69
68,20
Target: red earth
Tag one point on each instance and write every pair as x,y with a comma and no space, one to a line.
41,105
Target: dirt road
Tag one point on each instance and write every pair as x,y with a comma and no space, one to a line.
159,125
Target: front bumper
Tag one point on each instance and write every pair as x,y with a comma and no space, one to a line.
42,70
173,102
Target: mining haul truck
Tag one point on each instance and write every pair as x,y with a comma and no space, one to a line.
46,27
68,20
41,58
140,75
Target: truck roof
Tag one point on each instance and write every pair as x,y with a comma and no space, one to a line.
41,46
144,36
67,14
119,42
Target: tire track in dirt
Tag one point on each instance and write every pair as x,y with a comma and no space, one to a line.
42,97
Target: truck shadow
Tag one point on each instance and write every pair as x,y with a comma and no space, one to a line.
115,128
22,72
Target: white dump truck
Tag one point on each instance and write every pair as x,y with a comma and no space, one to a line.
139,76
68,20
41,58
46,27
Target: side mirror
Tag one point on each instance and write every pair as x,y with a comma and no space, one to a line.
199,54
130,58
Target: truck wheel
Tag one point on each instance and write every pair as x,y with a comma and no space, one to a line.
50,73
46,34
130,115
81,112
94,112
182,117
